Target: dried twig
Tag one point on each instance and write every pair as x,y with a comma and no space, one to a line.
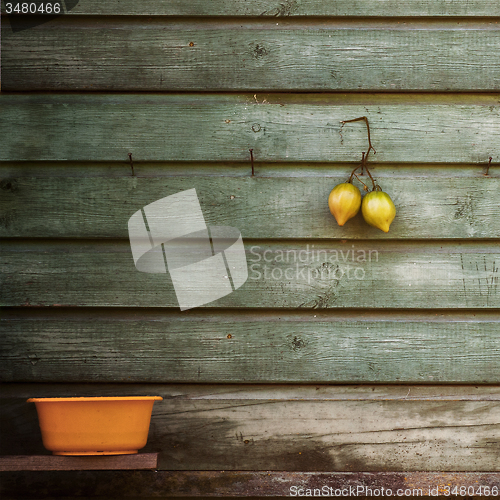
364,158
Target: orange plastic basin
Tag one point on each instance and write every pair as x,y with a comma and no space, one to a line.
95,425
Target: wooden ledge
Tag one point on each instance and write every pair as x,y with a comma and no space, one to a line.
332,484
155,484
141,461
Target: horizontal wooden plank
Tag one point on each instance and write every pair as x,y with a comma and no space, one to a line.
160,54
432,202
329,436
265,347
223,127
310,435
312,275
287,8
257,484
139,461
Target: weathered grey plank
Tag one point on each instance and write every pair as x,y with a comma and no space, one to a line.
159,54
288,8
281,275
435,202
320,435
278,127
269,347
255,484
366,436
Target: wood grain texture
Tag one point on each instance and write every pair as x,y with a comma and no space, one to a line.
159,54
288,8
270,347
255,484
417,306
304,435
332,436
139,461
223,127
433,202
382,275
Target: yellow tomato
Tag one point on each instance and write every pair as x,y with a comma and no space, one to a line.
378,210
344,202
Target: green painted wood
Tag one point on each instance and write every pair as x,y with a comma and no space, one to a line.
433,202
281,275
278,127
310,435
268,347
288,8
159,54
206,427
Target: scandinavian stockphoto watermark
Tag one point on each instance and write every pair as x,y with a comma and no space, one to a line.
310,264
205,263
23,15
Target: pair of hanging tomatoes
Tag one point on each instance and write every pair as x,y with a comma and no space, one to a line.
377,207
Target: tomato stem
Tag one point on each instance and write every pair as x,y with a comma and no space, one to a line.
366,187
364,157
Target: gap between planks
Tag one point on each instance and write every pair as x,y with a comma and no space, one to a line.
316,245
216,315
306,170
261,392
289,8
386,23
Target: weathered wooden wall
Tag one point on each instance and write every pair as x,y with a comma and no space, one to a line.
189,88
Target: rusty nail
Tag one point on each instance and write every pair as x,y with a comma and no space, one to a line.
251,159
131,163
489,165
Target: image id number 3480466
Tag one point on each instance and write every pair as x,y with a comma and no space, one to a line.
33,8
462,491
